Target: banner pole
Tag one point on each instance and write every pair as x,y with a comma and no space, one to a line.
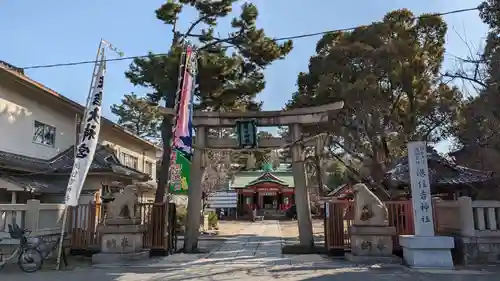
61,238
100,51
65,211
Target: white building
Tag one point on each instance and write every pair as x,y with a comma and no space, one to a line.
38,127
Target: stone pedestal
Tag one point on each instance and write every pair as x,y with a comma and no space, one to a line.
204,223
427,251
372,244
122,241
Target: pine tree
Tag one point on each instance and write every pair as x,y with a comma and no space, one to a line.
225,80
138,116
230,68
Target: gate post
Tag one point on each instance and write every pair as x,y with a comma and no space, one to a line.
195,192
301,192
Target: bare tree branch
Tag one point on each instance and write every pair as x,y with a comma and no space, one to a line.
458,75
193,25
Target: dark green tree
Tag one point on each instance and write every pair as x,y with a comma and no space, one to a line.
388,76
226,80
263,156
138,116
336,174
259,157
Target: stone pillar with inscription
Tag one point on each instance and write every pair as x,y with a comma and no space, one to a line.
122,232
424,249
371,235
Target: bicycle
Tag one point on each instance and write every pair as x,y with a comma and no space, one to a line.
47,249
26,254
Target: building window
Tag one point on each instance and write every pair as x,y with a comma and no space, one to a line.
129,160
148,168
44,134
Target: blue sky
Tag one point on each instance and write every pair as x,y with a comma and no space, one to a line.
35,32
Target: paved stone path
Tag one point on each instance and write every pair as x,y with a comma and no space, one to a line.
254,254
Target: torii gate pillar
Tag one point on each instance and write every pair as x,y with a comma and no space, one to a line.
195,192
306,236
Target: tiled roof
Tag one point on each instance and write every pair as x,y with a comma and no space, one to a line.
441,172
244,178
104,160
52,175
267,177
340,190
38,183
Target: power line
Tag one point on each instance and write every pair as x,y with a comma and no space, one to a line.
274,39
359,26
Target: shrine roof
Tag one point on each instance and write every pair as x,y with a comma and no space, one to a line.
341,190
441,172
248,178
38,183
105,160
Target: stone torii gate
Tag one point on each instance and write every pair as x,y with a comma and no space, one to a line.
294,119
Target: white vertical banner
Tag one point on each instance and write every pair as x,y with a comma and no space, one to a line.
420,189
87,144
112,47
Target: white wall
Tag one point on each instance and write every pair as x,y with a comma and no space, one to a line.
120,145
17,117
18,114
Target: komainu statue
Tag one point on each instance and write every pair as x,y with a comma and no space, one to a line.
369,209
124,204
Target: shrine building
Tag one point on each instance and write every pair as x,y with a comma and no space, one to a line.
270,191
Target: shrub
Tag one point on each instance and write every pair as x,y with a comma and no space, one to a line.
213,220
181,218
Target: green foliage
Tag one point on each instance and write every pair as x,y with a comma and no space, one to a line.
181,216
213,220
226,80
138,116
260,157
337,174
387,74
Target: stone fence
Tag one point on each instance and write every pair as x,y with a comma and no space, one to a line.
475,226
40,219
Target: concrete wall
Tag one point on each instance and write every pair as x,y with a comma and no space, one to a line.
17,117
41,219
475,226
